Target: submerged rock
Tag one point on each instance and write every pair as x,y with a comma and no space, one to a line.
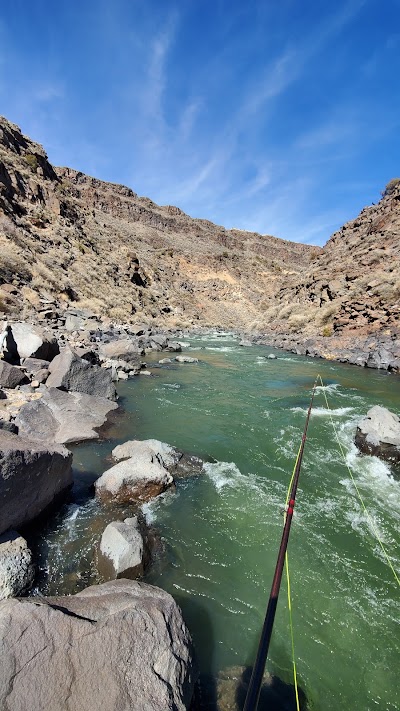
64,417
16,568
32,476
124,551
275,694
120,645
379,434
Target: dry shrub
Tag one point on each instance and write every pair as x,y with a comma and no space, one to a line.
45,277
12,263
326,313
297,321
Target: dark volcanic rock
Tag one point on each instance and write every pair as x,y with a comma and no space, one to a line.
32,475
70,372
10,375
16,568
120,645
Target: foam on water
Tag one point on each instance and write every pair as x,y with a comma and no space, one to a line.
221,349
73,511
325,412
223,474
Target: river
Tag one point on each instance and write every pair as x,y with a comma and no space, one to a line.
245,413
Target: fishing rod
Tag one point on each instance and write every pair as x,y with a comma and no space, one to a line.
253,692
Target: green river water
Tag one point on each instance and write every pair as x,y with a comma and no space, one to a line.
221,530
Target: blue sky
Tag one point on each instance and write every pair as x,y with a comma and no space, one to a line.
280,116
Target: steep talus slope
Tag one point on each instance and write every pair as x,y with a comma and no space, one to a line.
353,285
67,237
80,239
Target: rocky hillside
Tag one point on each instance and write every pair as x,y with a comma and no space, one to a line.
66,238
353,284
70,238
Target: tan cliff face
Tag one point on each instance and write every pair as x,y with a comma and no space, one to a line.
101,247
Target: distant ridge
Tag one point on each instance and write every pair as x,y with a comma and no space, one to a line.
101,247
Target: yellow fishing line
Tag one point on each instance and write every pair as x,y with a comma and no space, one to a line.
289,595
296,691
374,529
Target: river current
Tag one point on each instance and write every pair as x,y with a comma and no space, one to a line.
244,413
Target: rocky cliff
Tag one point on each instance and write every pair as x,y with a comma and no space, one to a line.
69,238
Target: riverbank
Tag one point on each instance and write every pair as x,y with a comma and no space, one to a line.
220,531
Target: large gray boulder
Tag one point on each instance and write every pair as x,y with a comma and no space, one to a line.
27,341
32,476
121,350
179,464
63,417
379,434
123,550
163,453
70,372
10,375
16,568
121,645
139,478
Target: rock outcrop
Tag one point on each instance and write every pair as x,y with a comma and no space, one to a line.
379,434
63,417
32,477
120,645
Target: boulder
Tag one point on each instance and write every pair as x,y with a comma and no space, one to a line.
63,417
74,323
70,372
179,464
138,478
245,343
16,568
121,350
123,550
33,365
186,359
10,375
41,376
27,341
379,434
173,346
165,360
32,476
135,448
158,342
120,645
